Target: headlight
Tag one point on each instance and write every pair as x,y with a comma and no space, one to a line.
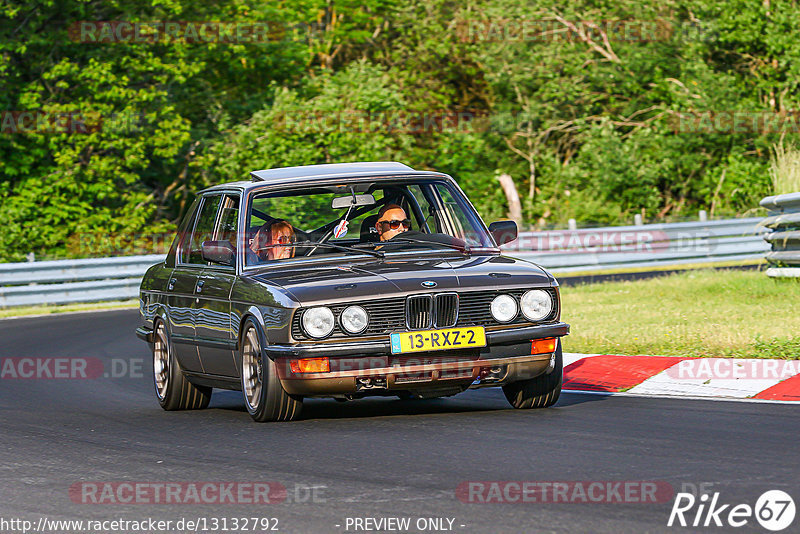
504,308
354,319
318,322
536,304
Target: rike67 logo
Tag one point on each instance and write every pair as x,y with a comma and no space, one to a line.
774,510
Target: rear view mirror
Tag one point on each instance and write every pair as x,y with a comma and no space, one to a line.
352,201
503,231
218,252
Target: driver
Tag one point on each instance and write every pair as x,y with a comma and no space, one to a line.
270,240
392,220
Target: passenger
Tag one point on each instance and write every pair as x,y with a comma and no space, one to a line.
272,241
392,220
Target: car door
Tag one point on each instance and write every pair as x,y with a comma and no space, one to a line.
214,324
183,284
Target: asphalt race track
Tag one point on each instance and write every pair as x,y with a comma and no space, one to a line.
365,459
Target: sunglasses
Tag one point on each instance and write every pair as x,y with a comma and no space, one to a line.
285,240
395,224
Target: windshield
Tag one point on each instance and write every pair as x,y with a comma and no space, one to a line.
373,218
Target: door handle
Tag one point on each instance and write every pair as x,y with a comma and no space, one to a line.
199,287
172,282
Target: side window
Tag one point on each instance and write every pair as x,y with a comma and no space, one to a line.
180,246
228,220
428,223
203,228
457,217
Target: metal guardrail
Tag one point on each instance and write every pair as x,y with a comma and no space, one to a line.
562,251
71,281
642,246
784,222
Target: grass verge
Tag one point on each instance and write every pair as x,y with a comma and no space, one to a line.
6,313
674,267
741,314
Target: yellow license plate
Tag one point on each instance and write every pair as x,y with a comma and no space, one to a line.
444,339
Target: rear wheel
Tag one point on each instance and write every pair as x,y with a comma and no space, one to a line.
173,390
264,396
539,392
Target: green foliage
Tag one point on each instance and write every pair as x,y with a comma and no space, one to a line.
785,169
588,128
341,119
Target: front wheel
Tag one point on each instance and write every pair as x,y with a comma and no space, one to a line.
264,396
173,390
539,392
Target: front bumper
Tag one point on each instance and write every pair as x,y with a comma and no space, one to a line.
145,334
371,368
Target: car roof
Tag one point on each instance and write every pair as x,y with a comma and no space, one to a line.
317,173
331,169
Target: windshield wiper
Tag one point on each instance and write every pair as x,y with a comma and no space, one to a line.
460,248
376,253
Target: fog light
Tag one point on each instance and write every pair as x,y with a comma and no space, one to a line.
543,346
311,365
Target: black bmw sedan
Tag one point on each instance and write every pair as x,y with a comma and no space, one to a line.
344,281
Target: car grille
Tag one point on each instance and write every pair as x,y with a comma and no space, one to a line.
419,312
431,311
446,310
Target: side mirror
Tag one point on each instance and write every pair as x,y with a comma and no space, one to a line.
221,252
503,231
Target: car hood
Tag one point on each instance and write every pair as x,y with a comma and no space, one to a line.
399,277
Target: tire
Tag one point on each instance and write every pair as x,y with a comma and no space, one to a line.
173,390
539,392
264,396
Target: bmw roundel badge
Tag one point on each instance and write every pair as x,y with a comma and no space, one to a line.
428,283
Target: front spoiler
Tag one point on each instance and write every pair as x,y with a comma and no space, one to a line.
462,374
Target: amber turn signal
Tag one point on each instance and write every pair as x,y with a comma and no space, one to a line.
542,346
311,365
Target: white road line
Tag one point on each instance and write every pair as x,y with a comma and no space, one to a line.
678,397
